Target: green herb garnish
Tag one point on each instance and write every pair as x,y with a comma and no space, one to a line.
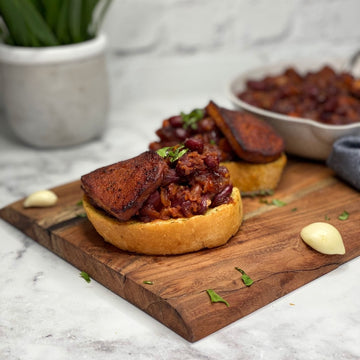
278,203
173,153
148,282
244,277
190,120
85,276
294,209
344,215
214,297
275,202
327,217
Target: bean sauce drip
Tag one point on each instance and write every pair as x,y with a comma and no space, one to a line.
191,185
175,131
324,96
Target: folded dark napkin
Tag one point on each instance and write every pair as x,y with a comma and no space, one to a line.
344,159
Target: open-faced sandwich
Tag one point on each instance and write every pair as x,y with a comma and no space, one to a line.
171,201
250,148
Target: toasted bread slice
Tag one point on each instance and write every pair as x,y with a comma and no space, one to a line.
252,178
174,236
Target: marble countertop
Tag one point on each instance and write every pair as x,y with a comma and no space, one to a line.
47,311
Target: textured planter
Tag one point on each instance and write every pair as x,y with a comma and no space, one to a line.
55,96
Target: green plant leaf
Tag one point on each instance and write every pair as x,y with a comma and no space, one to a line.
88,8
34,40
12,15
62,28
50,22
75,8
97,20
36,25
51,12
25,23
38,4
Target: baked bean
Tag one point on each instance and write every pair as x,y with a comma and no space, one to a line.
324,95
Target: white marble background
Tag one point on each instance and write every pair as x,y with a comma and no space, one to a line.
164,57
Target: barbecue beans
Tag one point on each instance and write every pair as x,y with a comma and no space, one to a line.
324,96
173,132
191,185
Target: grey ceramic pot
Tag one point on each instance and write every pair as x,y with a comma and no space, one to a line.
55,96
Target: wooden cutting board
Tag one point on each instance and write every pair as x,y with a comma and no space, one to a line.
268,247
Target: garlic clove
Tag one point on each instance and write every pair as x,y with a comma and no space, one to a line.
324,238
42,198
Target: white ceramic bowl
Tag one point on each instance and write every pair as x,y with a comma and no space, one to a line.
303,137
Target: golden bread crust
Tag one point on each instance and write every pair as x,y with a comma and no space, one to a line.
250,177
174,236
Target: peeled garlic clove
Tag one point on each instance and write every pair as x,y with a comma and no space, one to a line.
42,198
324,238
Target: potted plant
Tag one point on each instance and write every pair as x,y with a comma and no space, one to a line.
53,67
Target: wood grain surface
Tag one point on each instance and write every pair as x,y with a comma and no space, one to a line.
268,247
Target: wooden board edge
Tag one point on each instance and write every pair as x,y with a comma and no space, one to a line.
152,304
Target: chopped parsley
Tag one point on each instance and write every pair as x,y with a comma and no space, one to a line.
214,297
85,276
244,277
172,152
344,215
148,282
190,120
276,202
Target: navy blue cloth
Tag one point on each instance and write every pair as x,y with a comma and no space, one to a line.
344,159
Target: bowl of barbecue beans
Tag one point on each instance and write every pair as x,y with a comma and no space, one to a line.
310,103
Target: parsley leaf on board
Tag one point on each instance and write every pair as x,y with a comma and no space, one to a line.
148,282
245,278
344,215
214,297
276,202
